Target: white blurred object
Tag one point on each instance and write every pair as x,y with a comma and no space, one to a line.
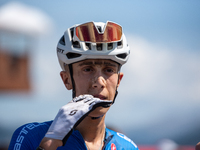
167,144
17,17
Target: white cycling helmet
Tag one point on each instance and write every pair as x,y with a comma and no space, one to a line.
93,40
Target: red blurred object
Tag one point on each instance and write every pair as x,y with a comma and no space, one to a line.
14,72
152,147
147,147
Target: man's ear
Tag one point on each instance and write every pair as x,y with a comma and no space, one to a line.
120,76
66,79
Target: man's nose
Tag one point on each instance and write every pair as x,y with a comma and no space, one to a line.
99,82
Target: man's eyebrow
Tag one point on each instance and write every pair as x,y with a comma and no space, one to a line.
98,63
110,64
86,63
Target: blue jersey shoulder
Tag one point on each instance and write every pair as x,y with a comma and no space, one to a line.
28,136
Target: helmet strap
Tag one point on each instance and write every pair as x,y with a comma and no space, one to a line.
116,92
72,80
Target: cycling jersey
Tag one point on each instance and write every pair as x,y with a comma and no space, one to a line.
29,136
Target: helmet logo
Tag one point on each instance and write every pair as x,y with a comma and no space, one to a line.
60,50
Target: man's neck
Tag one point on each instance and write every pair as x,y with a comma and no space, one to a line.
92,130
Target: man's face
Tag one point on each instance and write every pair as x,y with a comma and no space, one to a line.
96,77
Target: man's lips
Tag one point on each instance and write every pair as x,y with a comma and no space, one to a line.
100,97
103,98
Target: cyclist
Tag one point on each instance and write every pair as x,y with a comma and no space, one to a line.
90,55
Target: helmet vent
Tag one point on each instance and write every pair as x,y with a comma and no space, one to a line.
99,47
99,28
119,44
72,32
88,46
62,40
73,55
110,46
75,44
122,56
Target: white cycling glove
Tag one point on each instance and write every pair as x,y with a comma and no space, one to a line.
70,115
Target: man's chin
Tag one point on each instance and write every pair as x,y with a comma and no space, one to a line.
100,111
95,118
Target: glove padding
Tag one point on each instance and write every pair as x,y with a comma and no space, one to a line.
70,115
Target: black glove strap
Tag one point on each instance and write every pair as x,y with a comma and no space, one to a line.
40,148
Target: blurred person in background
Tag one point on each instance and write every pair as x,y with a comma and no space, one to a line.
90,55
167,144
197,146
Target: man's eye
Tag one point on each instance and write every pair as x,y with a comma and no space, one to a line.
87,69
109,70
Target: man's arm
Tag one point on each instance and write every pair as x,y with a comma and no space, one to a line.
50,144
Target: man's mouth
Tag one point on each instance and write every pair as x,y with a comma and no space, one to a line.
100,97
103,98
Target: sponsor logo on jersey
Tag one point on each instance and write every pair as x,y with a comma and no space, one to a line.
113,147
126,138
22,134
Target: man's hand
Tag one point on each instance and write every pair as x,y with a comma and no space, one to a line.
70,115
